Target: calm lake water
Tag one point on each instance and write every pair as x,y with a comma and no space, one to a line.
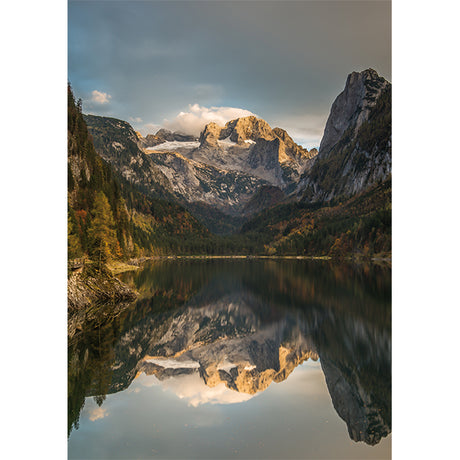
247,359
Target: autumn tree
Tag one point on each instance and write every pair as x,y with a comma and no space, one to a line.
73,242
102,235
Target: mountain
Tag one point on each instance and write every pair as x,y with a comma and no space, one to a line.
342,204
106,210
355,151
359,226
163,135
283,199
117,143
223,169
249,145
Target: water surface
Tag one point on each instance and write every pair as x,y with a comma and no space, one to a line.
237,359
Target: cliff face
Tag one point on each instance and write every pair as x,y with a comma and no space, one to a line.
355,405
355,152
352,106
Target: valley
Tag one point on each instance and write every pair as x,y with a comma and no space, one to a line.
229,219
245,187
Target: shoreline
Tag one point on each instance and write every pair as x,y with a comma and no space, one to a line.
118,267
376,259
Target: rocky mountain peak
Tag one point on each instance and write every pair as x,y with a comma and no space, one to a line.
352,106
210,134
283,135
238,131
367,75
291,149
246,131
247,128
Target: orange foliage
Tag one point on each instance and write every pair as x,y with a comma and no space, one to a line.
81,215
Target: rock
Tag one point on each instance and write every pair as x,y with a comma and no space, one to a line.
164,135
352,106
354,405
117,143
89,290
227,169
355,152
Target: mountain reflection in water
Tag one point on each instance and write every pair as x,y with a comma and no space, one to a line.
221,332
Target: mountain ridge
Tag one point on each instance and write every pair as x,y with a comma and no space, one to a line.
220,172
230,175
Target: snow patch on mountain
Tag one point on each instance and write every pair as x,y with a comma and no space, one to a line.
226,143
171,146
174,363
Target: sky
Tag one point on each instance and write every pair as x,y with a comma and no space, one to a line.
181,64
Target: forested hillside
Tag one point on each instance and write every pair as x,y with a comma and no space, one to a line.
122,205
108,218
359,226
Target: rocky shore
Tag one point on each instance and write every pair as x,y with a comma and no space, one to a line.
95,294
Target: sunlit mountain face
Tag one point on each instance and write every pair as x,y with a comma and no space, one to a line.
220,333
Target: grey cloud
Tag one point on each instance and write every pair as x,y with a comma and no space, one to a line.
281,60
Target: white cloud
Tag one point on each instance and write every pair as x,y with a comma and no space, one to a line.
197,117
98,413
135,119
97,97
196,392
192,389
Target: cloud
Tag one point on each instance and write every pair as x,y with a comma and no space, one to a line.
195,54
135,119
196,392
192,389
97,97
197,117
98,413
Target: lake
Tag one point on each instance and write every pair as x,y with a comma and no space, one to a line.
244,359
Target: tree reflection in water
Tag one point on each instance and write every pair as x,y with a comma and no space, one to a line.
247,324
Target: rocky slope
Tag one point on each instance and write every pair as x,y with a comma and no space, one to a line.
249,144
224,168
163,135
195,181
355,151
231,165
117,143
233,172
